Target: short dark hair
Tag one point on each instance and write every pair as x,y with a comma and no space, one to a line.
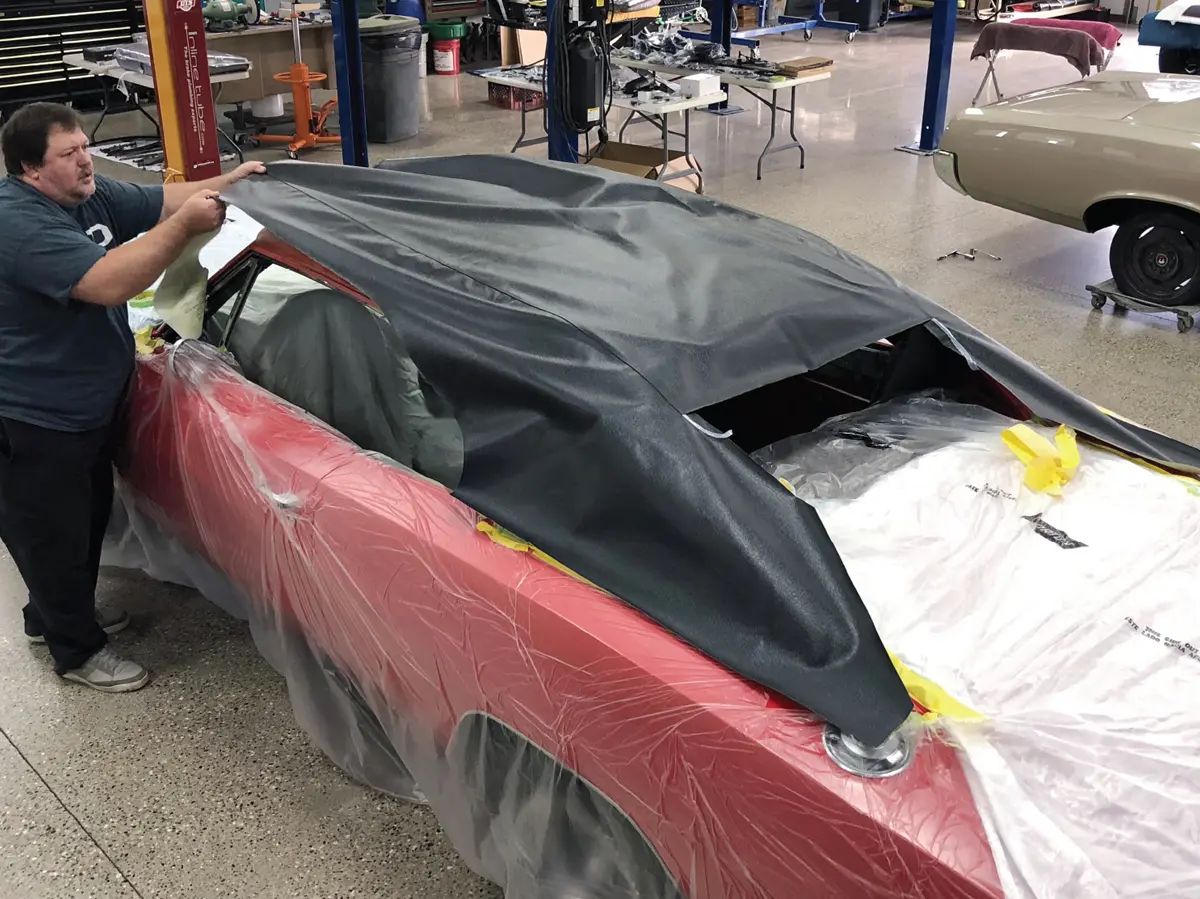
26,137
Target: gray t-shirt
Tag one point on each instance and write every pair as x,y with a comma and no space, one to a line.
64,364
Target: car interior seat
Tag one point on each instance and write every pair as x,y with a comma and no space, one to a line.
336,358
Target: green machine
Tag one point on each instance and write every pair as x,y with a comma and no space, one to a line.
231,15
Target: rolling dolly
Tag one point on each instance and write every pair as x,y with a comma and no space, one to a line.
1107,291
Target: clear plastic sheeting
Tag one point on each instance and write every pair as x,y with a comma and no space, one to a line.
1070,624
569,746
845,455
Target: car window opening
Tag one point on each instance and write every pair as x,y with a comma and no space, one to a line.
338,359
909,363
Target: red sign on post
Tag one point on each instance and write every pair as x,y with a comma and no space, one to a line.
189,100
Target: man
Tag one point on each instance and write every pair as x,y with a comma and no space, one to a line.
68,266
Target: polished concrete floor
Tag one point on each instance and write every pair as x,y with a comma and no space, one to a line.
202,785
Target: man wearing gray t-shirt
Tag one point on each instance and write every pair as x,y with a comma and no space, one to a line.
68,266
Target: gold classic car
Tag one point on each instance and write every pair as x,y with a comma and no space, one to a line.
1118,148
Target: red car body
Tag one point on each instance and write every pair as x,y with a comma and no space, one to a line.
387,575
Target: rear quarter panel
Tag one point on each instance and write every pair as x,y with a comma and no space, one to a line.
1055,168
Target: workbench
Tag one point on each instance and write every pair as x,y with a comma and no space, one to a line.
757,88
270,51
113,78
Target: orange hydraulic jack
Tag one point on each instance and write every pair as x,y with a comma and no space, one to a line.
310,126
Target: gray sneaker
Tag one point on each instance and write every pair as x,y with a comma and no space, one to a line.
109,673
111,621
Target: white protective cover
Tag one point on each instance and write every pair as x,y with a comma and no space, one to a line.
1071,624
1180,13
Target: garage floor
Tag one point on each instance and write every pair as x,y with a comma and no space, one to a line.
203,786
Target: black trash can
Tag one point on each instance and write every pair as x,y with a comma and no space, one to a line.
391,58
867,14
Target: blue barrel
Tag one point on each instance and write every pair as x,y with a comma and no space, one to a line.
412,8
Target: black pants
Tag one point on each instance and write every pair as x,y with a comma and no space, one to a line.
56,496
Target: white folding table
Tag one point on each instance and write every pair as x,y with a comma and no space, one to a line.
518,78
658,112
112,77
756,88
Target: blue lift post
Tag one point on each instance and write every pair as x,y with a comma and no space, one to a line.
563,146
721,30
352,100
937,78
722,27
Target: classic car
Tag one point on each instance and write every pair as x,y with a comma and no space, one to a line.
1118,148
1175,30
476,458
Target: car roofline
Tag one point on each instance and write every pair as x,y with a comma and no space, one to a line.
270,247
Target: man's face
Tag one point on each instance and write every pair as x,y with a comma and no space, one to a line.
66,174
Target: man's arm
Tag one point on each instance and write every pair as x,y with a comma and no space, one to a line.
123,273
176,194
131,268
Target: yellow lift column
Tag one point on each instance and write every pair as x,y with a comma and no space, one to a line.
178,51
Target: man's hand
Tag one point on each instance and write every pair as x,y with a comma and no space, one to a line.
204,211
131,268
175,195
244,171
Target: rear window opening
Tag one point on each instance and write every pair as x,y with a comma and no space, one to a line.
905,364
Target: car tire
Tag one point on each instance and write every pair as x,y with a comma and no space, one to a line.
1178,61
1155,257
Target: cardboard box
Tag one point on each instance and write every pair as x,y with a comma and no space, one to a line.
806,65
644,162
520,47
699,85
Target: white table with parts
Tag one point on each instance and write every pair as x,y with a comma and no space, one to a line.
765,91
526,79
657,111
116,99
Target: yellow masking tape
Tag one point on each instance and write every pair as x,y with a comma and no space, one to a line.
932,697
145,343
511,541
1048,466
